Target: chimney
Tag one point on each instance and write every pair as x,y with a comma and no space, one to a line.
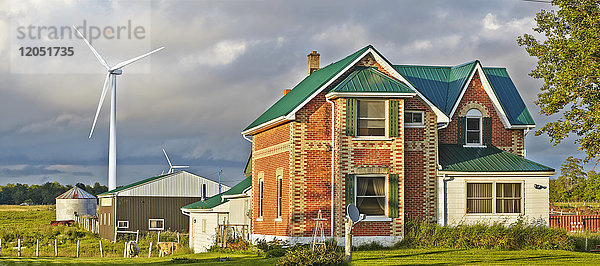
313,62
285,91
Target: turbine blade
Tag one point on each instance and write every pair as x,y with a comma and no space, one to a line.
127,62
104,90
180,166
102,61
167,156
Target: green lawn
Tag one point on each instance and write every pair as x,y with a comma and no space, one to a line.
380,257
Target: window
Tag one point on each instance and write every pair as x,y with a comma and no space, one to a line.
260,203
105,202
508,197
371,118
203,191
108,220
474,127
203,225
413,118
371,195
279,195
156,224
123,224
479,197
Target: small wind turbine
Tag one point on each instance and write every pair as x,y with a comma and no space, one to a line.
171,166
112,74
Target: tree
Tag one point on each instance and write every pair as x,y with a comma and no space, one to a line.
569,64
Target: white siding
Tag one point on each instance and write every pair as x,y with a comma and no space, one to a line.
535,201
201,241
180,184
238,210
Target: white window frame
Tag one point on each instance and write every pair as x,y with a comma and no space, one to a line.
494,197
386,123
415,125
156,228
474,114
126,224
385,216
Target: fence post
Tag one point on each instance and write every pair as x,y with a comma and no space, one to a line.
37,247
19,247
125,250
158,240
177,237
101,252
137,236
55,247
77,248
0,246
150,250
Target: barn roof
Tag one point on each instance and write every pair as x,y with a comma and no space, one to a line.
76,193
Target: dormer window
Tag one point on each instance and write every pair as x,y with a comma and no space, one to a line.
474,132
371,118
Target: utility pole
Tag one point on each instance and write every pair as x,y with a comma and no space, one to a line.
219,179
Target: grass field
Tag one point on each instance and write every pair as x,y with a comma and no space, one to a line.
379,257
31,222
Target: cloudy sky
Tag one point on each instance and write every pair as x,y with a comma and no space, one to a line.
225,62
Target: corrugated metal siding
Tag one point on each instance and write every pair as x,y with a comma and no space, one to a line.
106,230
180,184
137,210
430,81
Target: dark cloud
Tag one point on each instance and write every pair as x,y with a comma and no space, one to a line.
225,62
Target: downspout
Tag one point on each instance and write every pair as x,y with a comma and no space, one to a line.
332,160
439,167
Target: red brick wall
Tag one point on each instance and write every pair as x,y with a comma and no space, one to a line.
265,164
420,164
507,139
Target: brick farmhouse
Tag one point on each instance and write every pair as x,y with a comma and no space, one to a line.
441,144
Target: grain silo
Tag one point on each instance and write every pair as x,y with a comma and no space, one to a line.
75,201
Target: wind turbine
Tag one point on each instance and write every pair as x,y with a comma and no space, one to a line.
173,166
112,74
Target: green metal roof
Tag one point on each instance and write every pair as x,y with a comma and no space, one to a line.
489,159
508,95
369,79
442,86
305,89
439,84
217,200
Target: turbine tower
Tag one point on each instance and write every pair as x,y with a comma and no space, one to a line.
171,167
112,74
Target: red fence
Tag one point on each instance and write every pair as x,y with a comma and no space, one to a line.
576,223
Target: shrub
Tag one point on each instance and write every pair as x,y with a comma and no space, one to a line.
498,235
275,253
331,254
370,246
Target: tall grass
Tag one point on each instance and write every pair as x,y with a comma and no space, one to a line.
497,235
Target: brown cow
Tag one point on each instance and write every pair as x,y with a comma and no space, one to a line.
166,248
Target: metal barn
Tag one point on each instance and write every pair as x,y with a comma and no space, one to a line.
152,204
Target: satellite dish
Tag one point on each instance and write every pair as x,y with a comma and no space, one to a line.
353,213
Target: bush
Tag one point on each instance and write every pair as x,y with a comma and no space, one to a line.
331,254
275,253
498,235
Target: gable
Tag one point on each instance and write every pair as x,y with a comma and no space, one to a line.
218,199
178,184
445,86
304,90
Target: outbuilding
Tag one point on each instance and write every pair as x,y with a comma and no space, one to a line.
75,202
230,210
152,204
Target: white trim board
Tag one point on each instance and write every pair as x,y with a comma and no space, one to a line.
491,94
